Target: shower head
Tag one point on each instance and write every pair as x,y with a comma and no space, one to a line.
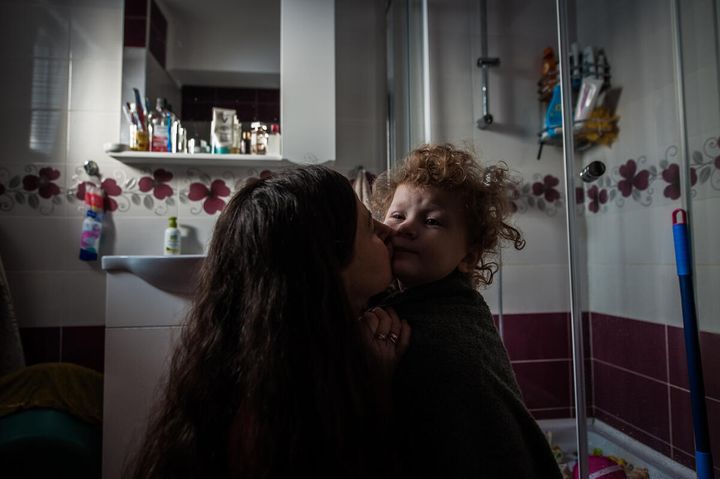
592,171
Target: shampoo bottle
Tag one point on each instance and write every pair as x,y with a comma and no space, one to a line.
172,237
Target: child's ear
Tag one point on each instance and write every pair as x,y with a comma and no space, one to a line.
471,259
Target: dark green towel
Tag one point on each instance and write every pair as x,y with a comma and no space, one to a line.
459,412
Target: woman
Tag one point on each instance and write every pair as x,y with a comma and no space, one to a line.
275,376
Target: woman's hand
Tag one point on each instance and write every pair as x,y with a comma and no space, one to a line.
387,337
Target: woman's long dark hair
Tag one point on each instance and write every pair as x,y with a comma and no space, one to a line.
270,348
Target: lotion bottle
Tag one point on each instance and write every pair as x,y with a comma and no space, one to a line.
172,238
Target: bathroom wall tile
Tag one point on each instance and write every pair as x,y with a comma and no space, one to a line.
370,153
196,233
545,236
213,188
639,235
84,346
535,288
701,97
32,190
554,413
59,298
451,104
588,373
544,384
136,236
459,133
95,85
43,31
36,83
634,399
143,191
36,243
536,336
682,423
450,17
89,131
84,297
40,345
705,229
707,279
649,292
638,434
635,345
96,33
710,357
34,136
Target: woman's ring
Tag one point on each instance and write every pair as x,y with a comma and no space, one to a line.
393,337
380,336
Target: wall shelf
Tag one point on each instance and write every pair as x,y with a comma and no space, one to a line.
199,159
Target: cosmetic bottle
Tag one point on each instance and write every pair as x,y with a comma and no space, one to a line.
159,127
172,238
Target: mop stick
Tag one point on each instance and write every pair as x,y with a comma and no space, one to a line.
703,457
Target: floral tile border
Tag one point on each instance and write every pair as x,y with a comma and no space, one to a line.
195,191
640,180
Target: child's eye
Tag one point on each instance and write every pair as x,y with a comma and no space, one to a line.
432,222
397,216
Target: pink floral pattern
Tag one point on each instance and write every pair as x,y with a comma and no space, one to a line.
597,197
110,188
631,179
158,184
672,176
43,182
211,195
547,188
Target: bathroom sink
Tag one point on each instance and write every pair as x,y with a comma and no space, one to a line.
173,274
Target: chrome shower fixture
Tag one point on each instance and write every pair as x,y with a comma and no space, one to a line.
485,62
592,171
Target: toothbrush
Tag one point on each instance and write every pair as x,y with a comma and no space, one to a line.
139,107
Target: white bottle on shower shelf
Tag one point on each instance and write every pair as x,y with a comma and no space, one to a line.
172,238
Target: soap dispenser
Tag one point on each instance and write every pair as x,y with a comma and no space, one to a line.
172,237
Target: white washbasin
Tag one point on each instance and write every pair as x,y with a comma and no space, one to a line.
174,274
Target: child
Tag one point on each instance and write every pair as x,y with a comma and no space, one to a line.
458,406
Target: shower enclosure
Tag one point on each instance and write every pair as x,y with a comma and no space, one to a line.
590,310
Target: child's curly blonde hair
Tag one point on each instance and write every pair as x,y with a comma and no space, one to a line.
485,193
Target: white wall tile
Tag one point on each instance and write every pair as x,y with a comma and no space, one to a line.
35,83
94,33
647,292
89,130
34,136
84,297
196,233
33,30
38,297
535,288
545,236
705,231
95,85
707,279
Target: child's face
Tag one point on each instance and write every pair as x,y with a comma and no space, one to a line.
431,236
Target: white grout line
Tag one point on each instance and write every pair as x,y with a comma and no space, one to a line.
634,427
631,371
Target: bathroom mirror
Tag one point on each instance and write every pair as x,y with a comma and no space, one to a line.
200,55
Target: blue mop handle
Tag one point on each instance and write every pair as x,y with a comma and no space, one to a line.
703,457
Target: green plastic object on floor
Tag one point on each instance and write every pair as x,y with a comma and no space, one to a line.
39,443
51,422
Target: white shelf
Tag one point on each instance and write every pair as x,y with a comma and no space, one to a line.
200,159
